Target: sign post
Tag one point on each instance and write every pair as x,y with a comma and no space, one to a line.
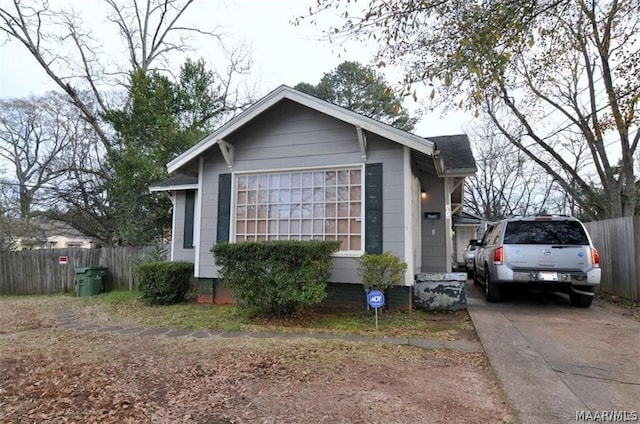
375,299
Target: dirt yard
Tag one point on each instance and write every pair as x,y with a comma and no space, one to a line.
49,374
622,307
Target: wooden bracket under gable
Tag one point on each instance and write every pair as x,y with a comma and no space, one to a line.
456,206
362,141
226,149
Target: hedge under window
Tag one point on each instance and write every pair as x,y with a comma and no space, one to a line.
304,205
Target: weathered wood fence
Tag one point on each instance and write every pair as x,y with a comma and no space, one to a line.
618,242
40,271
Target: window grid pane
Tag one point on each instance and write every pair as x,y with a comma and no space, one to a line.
311,205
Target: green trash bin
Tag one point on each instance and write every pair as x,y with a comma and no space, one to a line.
89,280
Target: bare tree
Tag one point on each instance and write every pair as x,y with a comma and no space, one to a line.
36,140
6,239
556,66
507,182
80,195
150,35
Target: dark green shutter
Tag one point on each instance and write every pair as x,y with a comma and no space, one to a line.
224,207
189,209
373,207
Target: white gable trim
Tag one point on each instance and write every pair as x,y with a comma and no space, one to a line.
283,92
409,232
197,220
173,187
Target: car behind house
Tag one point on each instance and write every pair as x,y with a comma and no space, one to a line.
469,255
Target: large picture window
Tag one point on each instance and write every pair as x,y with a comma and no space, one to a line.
301,205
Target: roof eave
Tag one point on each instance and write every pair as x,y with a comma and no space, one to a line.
173,187
458,172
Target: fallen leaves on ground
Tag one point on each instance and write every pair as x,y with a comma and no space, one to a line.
67,376
53,375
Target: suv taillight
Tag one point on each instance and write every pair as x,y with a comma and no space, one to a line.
595,257
498,256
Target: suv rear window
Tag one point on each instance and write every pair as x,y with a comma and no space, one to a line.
545,232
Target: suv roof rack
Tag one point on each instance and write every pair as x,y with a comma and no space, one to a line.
560,215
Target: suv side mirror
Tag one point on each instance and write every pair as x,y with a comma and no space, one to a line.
473,242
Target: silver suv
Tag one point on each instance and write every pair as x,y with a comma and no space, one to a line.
544,252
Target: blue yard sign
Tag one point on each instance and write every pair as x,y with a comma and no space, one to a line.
375,299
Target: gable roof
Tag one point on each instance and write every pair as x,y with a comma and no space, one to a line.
456,157
284,92
175,182
467,218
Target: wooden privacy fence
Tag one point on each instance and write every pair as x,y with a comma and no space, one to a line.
40,271
618,242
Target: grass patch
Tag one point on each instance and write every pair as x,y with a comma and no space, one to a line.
416,323
117,297
128,305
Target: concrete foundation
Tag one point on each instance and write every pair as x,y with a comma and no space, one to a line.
440,291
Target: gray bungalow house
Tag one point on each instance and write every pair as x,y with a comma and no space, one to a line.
293,166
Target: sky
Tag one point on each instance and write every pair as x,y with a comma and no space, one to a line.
281,53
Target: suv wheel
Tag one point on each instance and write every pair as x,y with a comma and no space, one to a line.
492,291
581,300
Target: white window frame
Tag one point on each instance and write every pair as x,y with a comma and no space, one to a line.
344,167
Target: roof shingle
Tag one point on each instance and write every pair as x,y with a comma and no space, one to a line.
455,152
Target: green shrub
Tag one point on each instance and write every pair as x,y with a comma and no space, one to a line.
273,278
164,283
381,271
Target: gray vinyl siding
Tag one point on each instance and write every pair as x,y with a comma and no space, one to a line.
213,166
345,270
177,238
434,231
391,156
293,136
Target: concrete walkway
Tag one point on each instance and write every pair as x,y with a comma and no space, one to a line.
67,320
557,363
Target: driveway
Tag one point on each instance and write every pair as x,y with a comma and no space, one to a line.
556,362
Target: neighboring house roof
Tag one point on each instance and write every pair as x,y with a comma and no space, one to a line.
455,155
39,230
175,182
283,92
468,219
